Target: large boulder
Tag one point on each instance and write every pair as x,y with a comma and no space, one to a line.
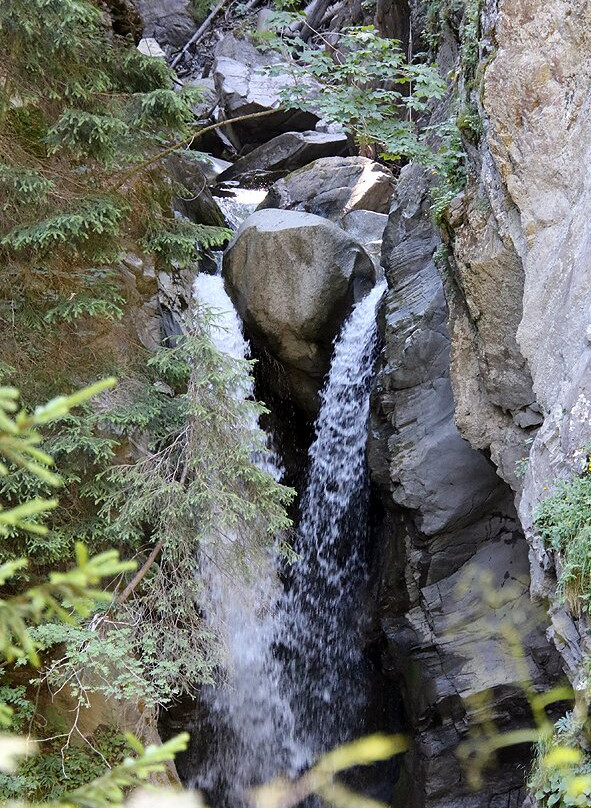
334,186
285,153
294,278
170,22
245,86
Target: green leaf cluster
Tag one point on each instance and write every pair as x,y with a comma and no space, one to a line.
367,85
563,521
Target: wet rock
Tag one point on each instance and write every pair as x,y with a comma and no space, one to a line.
293,278
334,186
284,153
170,22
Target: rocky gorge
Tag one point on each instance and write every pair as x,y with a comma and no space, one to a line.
480,397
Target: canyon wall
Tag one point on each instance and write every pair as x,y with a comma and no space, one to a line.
482,402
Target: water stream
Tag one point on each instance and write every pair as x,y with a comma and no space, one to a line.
294,684
322,618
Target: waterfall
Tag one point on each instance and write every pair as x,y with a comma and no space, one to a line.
321,619
252,722
294,681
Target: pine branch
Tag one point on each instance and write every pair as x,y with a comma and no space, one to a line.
188,141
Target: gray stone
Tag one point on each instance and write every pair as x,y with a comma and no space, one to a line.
286,152
368,228
212,167
452,541
244,86
150,47
207,102
198,204
334,186
169,22
293,278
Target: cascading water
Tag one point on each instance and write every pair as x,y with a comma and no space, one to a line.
294,684
321,623
253,735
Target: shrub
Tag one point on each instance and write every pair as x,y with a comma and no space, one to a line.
564,524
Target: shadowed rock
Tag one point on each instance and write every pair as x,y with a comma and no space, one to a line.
449,520
284,153
170,22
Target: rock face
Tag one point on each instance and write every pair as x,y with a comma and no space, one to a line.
284,153
368,228
334,186
450,520
244,87
170,22
544,57
521,352
293,278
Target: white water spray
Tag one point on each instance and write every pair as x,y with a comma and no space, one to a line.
321,622
253,734
278,709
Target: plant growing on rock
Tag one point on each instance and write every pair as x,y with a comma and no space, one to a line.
564,524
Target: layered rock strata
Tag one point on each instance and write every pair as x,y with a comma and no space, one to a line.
455,569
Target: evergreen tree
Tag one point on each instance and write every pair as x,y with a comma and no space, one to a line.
85,121
83,118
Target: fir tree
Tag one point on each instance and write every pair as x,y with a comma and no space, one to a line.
84,122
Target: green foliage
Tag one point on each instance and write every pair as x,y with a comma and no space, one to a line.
14,697
177,241
59,769
77,588
451,170
197,482
110,789
366,85
561,775
20,438
82,134
90,778
103,657
84,118
91,224
200,9
22,185
564,524
66,597
102,300
469,123
463,17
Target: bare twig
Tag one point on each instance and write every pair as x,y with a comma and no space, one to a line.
141,573
198,33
